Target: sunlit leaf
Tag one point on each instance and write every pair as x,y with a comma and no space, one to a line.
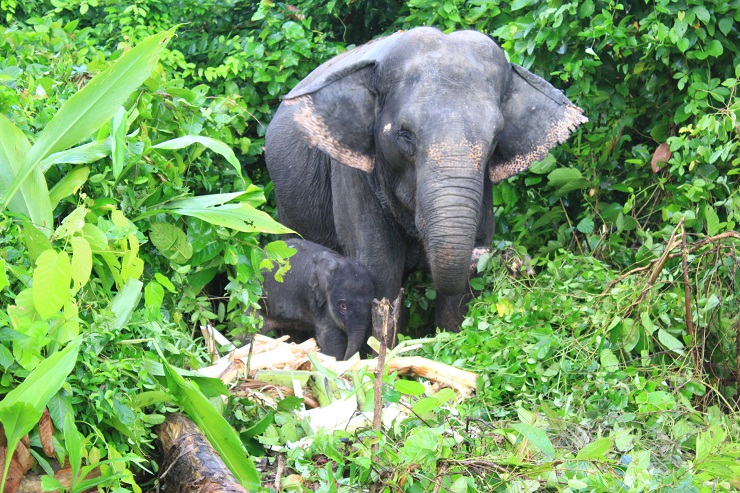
68,185
537,437
220,434
595,450
51,280
212,144
86,111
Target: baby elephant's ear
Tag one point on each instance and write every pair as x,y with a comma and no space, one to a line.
537,117
322,278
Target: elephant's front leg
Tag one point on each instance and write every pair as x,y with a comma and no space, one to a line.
365,233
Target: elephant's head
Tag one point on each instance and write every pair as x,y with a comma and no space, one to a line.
343,291
433,116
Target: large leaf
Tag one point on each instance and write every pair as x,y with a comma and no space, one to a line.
89,109
33,201
219,432
537,437
214,210
241,217
22,407
51,280
124,303
212,144
45,380
84,154
69,184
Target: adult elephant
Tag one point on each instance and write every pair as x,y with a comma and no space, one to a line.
388,153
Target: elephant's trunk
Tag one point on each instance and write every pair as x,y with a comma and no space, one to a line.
448,211
356,340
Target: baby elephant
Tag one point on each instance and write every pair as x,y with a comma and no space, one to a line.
325,293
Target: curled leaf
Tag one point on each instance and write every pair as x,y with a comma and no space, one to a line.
661,155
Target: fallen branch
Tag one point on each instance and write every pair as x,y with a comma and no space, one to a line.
190,464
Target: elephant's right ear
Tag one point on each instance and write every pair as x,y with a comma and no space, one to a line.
337,114
537,117
321,278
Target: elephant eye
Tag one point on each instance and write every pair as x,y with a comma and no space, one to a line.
405,141
343,306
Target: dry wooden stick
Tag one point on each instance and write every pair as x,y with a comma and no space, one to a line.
438,480
686,288
279,472
381,321
737,345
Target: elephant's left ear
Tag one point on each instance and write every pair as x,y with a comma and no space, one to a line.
537,117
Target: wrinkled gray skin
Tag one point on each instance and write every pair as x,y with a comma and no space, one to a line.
388,153
323,293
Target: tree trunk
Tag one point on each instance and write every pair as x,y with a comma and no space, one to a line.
190,464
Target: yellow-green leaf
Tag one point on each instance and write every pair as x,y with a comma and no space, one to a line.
81,262
51,280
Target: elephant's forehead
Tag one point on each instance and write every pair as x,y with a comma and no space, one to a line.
444,60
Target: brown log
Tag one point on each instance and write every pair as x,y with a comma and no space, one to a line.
190,464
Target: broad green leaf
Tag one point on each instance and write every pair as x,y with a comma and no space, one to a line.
84,154
51,280
3,275
715,48
520,4
69,325
165,282
537,437
725,25
33,200
153,294
132,266
252,194
707,442
212,144
68,185
73,444
586,225
241,217
125,302
90,108
424,406
712,220
220,434
409,387
45,380
670,342
595,450
81,261
72,224
567,180
17,420
171,241
609,361
118,142
95,237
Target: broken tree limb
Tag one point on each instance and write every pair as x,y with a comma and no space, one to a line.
190,464
461,380
381,322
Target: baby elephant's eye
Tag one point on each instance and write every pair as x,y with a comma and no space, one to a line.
343,306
